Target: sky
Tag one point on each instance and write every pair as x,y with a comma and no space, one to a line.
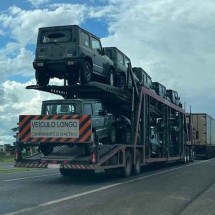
172,40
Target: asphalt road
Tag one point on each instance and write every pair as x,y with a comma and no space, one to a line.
174,189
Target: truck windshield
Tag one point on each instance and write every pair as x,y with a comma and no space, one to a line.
60,109
55,36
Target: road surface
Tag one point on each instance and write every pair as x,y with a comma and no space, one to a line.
174,189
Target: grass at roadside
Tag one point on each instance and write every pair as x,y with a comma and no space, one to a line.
6,158
12,170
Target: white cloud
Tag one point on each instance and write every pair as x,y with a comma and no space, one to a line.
15,101
172,40
38,2
19,65
24,24
21,26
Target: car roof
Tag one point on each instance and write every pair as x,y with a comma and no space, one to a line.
68,26
71,100
117,50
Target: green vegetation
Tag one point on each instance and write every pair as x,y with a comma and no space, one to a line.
4,158
12,170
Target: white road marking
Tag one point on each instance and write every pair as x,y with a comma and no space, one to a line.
99,189
37,176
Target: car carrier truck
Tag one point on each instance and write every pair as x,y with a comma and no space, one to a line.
204,133
154,131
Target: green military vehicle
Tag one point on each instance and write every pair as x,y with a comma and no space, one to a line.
122,78
73,54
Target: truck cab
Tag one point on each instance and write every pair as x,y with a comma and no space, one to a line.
175,99
102,122
70,53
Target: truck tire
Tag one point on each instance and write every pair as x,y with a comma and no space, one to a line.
112,136
86,73
126,171
127,136
41,78
121,82
66,172
110,78
186,156
89,147
137,165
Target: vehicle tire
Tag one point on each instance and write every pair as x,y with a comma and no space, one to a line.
127,136
121,82
89,147
66,172
86,73
110,78
72,80
126,171
112,136
186,156
18,154
137,165
191,155
46,149
41,78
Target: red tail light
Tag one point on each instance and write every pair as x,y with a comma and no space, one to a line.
93,159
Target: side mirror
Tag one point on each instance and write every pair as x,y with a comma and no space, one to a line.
101,51
102,112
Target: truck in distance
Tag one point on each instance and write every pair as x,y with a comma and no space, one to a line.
203,130
70,53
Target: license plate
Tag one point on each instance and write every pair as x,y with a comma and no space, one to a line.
53,166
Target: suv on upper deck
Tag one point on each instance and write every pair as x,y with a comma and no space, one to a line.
175,99
160,90
70,52
121,62
144,78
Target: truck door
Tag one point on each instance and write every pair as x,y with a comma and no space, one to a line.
98,58
100,121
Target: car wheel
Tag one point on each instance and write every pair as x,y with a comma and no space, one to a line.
66,172
112,137
41,78
46,149
137,165
87,73
127,136
72,80
121,83
126,171
110,78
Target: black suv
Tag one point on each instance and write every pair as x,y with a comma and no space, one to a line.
160,90
175,99
121,61
143,77
71,53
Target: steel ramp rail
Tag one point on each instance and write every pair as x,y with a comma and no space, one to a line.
93,90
